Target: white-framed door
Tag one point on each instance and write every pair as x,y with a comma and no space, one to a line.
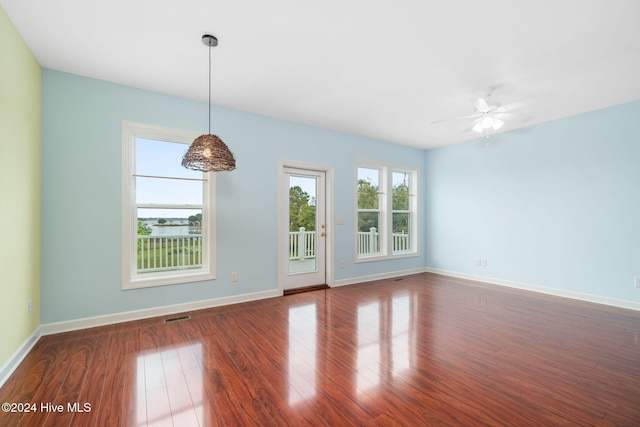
303,254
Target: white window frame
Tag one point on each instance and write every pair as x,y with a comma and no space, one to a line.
130,278
386,212
413,209
382,213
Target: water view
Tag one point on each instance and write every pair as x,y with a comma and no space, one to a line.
172,227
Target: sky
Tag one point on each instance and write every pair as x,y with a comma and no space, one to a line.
308,185
164,159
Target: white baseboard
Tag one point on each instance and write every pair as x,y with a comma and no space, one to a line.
541,289
109,319
371,278
15,359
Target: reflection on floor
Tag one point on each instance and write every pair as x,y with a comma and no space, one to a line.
425,350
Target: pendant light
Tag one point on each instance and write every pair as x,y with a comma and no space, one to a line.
208,153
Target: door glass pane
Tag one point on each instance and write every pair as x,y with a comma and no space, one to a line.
302,224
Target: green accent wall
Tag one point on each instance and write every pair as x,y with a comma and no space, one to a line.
20,173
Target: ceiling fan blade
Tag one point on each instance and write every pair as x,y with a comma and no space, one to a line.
513,116
507,116
477,127
481,105
514,106
472,116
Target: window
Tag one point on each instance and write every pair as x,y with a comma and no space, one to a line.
370,202
386,212
167,211
401,208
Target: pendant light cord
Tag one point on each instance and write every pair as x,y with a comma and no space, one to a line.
209,88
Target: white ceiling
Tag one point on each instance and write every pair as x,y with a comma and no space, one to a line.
382,69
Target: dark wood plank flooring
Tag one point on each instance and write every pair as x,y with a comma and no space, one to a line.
424,350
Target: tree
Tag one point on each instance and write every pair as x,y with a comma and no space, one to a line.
162,221
143,229
197,218
367,195
302,209
368,198
195,224
400,203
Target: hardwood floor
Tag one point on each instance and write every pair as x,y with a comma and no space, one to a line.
423,350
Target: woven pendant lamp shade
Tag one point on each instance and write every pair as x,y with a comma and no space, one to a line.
208,153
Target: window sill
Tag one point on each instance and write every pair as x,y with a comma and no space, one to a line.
373,258
165,279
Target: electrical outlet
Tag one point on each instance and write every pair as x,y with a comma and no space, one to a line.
637,281
234,276
29,307
484,262
478,261
343,264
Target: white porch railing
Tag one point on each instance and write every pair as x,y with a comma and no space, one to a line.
369,242
302,244
401,242
170,252
176,252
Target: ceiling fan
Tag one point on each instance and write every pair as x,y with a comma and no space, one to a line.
490,114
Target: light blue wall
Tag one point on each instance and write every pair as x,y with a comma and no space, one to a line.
555,205
81,195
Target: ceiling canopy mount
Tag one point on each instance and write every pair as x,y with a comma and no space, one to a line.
209,40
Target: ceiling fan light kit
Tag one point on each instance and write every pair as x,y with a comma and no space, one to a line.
487,122
208,153
489,114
